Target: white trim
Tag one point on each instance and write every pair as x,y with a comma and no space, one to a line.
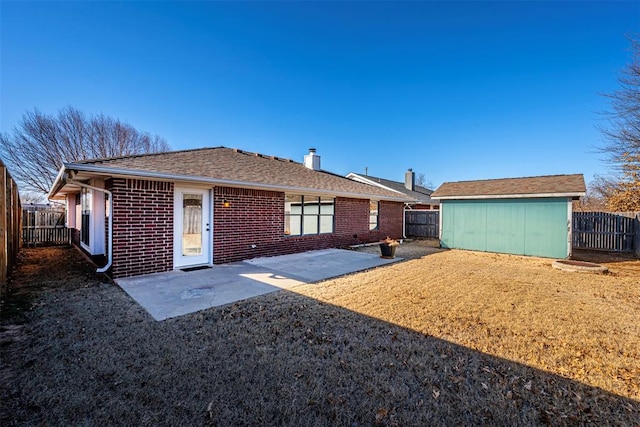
98,218
106,171
70,218
413,200
511,196
54,189
441,208
405,208
205,258
110,225
569,227
365,180
87,247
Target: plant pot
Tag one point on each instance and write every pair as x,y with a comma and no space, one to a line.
387,250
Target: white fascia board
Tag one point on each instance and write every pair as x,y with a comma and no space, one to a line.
58,182
127,173
510,196
366,180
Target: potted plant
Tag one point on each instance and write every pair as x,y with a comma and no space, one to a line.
388,247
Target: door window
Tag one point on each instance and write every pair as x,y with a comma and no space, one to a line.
191,224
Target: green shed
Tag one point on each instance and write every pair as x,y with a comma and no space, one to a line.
522,216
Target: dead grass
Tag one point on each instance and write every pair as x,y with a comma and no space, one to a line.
578,325
450,338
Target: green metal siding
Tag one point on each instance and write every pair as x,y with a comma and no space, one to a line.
505,232
535,227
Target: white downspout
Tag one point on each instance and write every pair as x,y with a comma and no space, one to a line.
404,216
110,227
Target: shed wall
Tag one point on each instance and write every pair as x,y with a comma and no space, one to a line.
536,226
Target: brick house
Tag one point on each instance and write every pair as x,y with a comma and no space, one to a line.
158,212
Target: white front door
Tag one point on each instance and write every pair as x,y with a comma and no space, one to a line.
192,227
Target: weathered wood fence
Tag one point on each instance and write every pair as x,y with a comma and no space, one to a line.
10,211
607,231
422,223
43,226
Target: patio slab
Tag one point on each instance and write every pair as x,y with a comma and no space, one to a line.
176,293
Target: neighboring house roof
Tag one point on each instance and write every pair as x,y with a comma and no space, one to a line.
536,186
224,167
420,194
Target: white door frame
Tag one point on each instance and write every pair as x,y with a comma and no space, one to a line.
205,257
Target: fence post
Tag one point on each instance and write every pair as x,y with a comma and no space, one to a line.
9,225
4,220
636,240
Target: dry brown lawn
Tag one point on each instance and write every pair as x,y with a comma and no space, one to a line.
578,325
446,337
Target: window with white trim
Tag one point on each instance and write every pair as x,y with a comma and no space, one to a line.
78,210
374,214
85,206
305,215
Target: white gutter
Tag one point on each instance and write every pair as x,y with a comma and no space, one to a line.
110,254
101,170
59,178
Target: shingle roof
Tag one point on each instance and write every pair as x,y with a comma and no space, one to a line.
240,167
421,194
538,185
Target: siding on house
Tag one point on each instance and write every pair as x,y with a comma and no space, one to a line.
534,226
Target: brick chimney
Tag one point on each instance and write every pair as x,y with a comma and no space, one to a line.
410,180
312,160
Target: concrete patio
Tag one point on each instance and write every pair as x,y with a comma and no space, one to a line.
176,293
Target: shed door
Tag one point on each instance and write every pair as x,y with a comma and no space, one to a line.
537,227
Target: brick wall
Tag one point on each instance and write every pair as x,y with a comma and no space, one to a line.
257,218
391,216
142,226
254,217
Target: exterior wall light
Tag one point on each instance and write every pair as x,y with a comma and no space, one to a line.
226,203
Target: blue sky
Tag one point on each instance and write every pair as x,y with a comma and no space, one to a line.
454,90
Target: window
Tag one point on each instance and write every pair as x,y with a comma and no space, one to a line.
85,206
191,224
308,215
77,224
374,213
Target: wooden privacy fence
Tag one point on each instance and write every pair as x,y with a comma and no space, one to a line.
606,231
9,225
43,225
420,223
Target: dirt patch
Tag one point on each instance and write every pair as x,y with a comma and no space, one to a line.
409,249
579,266
600,257
448,338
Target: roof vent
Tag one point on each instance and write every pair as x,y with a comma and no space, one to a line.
312,160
